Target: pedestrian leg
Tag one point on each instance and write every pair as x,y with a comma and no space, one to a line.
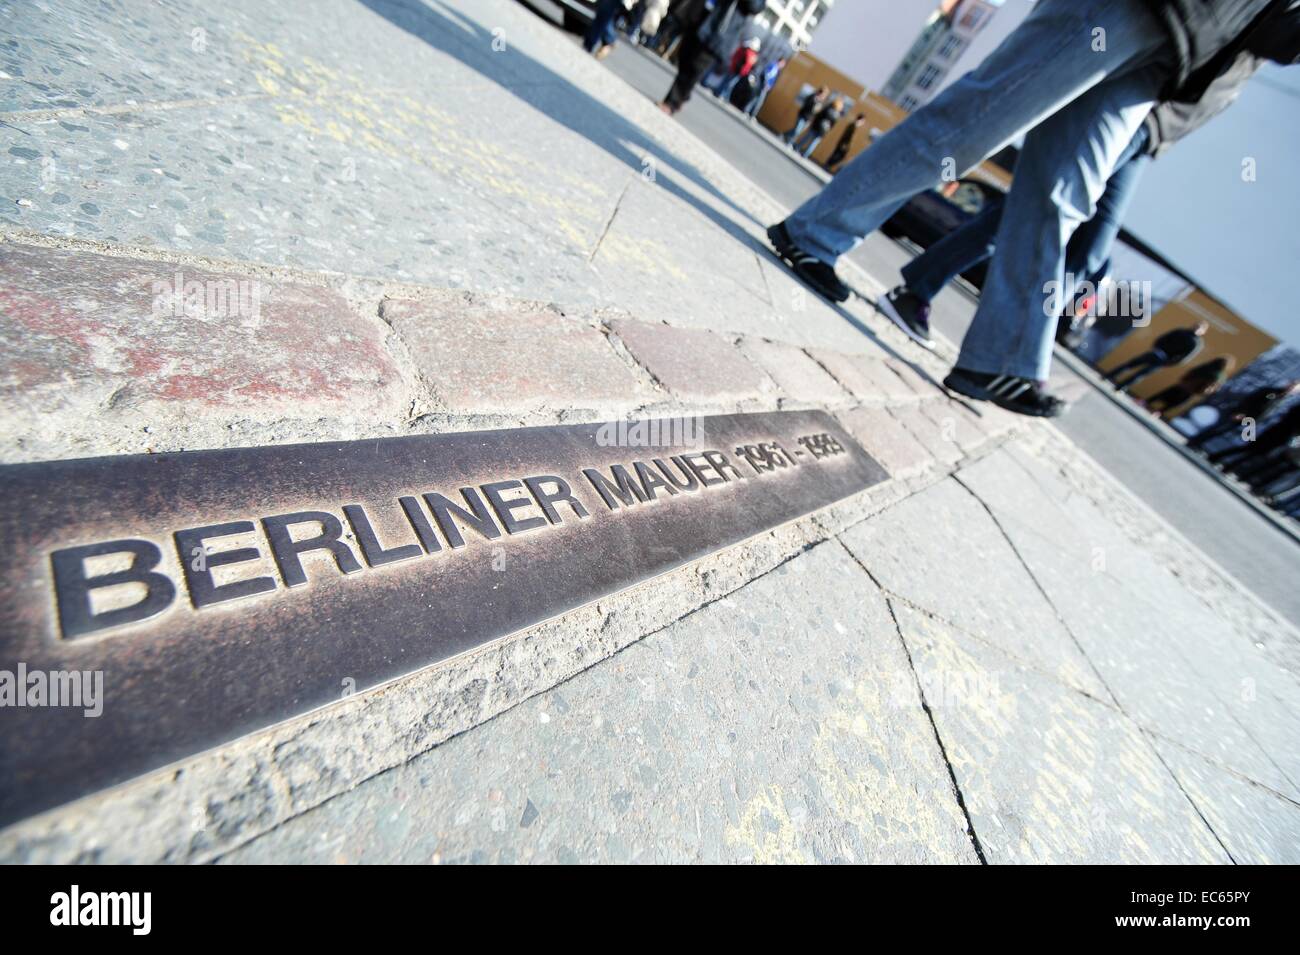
1060,177
1016,86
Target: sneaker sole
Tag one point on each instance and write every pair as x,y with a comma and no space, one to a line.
782,250
886,306
976,393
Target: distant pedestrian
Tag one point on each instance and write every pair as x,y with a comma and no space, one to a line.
822,123
1253,408
841,150
1171,348
1272,475
652,16
741,65
705,26
811,103
602,32
1244,458
771,73
1205,379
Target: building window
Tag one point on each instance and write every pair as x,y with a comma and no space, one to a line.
929,76
908,103
948,49
973,18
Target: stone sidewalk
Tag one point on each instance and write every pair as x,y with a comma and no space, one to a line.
999,655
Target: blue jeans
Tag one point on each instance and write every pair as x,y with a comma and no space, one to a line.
807,143
1083,107
602,31
795,130
1087,255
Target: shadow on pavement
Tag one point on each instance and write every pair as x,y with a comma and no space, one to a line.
542,88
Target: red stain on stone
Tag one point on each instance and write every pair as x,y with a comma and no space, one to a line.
95,321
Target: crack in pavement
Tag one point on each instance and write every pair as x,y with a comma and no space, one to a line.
925,706
609,223
1100,678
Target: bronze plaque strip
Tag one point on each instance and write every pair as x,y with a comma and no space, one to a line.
214,593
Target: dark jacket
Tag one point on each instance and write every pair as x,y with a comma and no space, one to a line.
1179,345
826,117
694,15
1199,95
1173,119
809,106
1200,30
845,143
1260,403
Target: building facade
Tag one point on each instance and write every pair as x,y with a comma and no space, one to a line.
933,55
794,20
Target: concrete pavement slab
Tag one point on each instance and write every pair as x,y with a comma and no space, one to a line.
939,439
780,724
1256,825
1048,774
1175,667
71,56
940,550
1142,659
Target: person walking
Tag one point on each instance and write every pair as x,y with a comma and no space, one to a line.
1171,348
1077,124
602,33
705,26
823,122
646,20
1087,255
1253,408
1245,458
1198,382
811,103
771,73
845,143
742,64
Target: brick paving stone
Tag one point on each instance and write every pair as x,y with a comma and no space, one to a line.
491,354
884,438
693,364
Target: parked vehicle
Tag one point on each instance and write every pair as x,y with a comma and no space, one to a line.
928,217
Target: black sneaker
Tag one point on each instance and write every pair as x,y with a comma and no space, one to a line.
910,313
1021,395
820,276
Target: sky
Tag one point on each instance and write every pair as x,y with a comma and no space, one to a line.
1239,240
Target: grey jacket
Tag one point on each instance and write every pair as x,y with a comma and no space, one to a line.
1273,33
